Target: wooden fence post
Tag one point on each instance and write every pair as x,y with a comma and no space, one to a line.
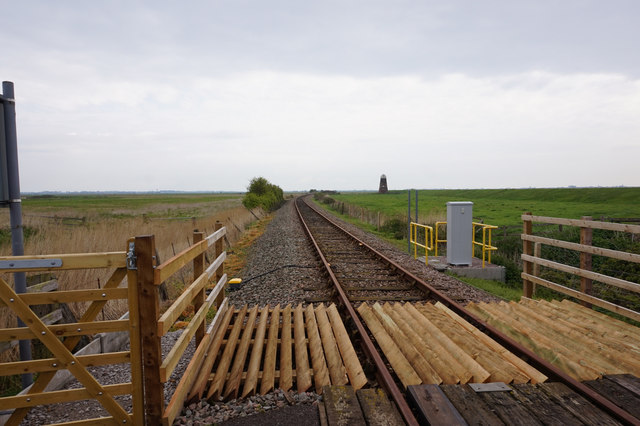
220,271
586,238
148,315
537,248
198,300
527,248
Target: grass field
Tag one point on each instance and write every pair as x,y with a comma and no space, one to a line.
503,207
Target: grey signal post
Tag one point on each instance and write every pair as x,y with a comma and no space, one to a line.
11,183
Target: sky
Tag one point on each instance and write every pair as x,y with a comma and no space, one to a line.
205,95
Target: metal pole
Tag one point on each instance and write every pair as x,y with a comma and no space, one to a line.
409,222
15,208
417,221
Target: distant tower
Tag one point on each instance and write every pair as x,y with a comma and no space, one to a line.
383,185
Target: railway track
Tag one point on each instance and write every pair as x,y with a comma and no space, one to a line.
360,274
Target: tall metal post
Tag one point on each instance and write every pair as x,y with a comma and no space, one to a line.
417,221
409,222
15,207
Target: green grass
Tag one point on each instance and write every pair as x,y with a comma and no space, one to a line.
496,288
505,206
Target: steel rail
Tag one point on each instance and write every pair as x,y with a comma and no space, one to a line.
532,358
369,347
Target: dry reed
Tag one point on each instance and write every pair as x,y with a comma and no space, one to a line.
104,235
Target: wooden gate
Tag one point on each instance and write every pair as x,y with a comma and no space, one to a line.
144,326
88,324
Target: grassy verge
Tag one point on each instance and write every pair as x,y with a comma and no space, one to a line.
496,288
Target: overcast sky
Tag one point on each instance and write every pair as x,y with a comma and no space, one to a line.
169,95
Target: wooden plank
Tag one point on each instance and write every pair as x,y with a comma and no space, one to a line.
318,361
69,296
251,381
616,394
58,349
65,330
173,357
73,261
419,364
43,287
628,329
542,406
148,313
549,350
59,396
186,381
216,264
584,297
377,409
174,311
286,370
574,341
269,369
356,375
337,372
135,341
407,324
616,282
627,381
215,389
470,365
218,329
342,406
500,369
99,421
177,262
470,406
219,252
233,383
54,364
303,376
214,237
433,406
595,224
577,405
611,341
509,409
90,314
599,251
400,364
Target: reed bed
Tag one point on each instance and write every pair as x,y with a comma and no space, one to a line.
105,233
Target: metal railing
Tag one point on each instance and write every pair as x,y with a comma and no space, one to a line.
487,248
432,239
438,240
428,240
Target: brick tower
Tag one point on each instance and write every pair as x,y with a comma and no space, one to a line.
383,185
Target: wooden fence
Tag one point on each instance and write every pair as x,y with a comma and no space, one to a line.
532,261
144,325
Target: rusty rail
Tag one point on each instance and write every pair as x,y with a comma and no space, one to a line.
533,359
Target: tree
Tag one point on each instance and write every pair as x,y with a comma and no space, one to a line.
262,193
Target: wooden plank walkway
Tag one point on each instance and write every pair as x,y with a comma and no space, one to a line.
580,341
365,407
256,349
522,404
430,344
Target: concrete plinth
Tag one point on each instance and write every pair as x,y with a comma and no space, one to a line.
475,270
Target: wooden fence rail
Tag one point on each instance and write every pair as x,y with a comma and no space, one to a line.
145,327
532,261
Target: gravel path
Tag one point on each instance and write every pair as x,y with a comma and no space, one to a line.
281,269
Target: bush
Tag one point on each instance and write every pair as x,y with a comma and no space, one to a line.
395,227
262,193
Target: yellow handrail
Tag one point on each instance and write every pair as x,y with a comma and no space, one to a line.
437,241
428,240
485,244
